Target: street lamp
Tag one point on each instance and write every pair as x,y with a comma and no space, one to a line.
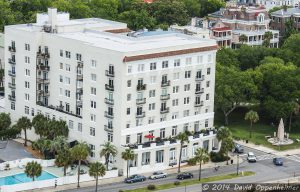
237,165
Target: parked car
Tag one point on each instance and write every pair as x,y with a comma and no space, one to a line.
158,175
278,161
185,176
135,178
251,157
238,148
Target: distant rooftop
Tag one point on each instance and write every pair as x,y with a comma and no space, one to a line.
288,12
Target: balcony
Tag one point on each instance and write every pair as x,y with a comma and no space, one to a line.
109,73
12,48
79,77
109,115
12,85
42,80
199,91
165,97
109,87
12,73
12,97
199,104
42,67
164,110
11,61
80,64
141,87
43,55
109,101
43,93
108,128
141,101
79,90
79,103
165,83
199,78
140,115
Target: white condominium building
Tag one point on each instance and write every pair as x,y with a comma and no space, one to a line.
135,91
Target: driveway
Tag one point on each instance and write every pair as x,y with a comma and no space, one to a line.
13,151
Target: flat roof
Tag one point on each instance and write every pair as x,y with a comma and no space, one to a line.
288,12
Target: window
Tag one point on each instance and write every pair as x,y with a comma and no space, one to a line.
175,115
175,89
68,67
27,72
27,110
127,139
93,117
151,120
79,128
152,66
206,123
159,156
165,64
93,77
94,63
174,131
67,80
67,93
61,66
32,112
207,83
128,83
207,96
141,67
153,79
92,150
71,124
208,71
68,54
61,79
163,118
129,69
12,106
92,131
110,137
151,106
146,158
61,53
209,58
175,102
93,104
93,90
188,61
128,97
27,85
26,96
128,124
27,59
187,87
187,74
78,57
186,113
176,62
128,111
67,107
200,59
186,100
27,47
152,93
176,76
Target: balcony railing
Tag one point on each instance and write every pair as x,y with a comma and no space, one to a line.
79,103
165,97
109,101
140,115
42,80
108,128
12,85
11,61
141,101
12,98
43,67
141,87
79,77
42,55
12,48
12,73
109,87
109,73
43,93
199,104
199,91
79,90
199,78
109,115
165,83
79,64
164,110
58,108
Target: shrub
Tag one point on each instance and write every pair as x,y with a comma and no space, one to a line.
121,190
218,157
192,161
151,187
176,183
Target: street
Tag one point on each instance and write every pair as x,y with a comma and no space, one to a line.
264,168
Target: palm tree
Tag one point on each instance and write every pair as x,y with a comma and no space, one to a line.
227,145
58,144
223,133
79,153
253,117
64,159
182,137
243,38
201,156
23,124
33,169
97,169
295,111
128,155
39,122
107,150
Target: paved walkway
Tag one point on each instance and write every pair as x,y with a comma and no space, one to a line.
13,151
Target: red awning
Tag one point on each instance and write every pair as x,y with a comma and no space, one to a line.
149,136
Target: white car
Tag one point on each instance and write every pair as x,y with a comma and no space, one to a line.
251,157
158,175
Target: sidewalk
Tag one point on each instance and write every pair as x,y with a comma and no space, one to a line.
184,168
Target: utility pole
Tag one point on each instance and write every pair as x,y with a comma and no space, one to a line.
237,165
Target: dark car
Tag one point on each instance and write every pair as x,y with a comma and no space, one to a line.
278,161
185,176
238,149
135,178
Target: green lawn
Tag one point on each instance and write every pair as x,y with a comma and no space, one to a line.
193,182
240,129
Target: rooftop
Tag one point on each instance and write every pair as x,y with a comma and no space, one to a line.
288,12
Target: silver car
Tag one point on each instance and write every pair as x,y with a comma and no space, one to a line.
158,175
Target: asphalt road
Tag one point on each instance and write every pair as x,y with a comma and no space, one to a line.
264,168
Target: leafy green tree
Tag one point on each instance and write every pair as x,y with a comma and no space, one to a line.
128,155
7,16
64,159
289,29
292,48
59,143
79,153
243,38
267,38
253,117
295,111
39,123
108,149
226,146
228,57
193,7
201,156
138,19
5,121
33,169
97,169
23,124
105,9
210,6
183,138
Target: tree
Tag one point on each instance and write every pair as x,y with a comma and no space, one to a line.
138,19
7,16
97,169
64,159
289,29
128,155
5,121
210,6
295,111
79,153
227,145
228,57
267,38
292,48
33,169
243,38
253,117
58,144
183,138
108,149
39,123
23,124
201,156
105,9
223,133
